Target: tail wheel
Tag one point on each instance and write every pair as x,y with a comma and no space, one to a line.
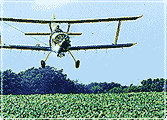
77,64
42,63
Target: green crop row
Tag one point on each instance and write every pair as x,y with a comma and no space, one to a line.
124,105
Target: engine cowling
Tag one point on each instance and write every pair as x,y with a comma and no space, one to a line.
60,42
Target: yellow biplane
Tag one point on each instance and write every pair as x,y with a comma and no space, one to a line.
59,41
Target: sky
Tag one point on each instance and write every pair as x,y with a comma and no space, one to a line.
126,66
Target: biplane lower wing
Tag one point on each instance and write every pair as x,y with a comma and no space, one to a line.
73,48
38,48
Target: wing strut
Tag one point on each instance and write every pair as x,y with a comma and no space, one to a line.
117,32
50,27
68,27
47,56
50,35
72,56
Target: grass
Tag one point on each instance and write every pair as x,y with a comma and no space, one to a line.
104,105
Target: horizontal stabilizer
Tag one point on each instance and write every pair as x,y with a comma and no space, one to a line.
50,33
74,33
37,33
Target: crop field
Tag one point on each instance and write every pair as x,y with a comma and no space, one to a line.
104,105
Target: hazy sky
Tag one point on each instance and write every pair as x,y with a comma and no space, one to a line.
124,66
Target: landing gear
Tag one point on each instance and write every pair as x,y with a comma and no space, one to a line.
60,55
77,64
42,63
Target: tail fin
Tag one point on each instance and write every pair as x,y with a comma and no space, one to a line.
53,16
54,25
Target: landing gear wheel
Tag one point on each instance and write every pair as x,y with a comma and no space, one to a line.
77,64
42,63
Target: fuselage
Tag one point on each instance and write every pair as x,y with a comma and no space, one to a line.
59,40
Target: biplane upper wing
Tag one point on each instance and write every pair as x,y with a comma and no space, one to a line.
69,21
73,48
38,48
